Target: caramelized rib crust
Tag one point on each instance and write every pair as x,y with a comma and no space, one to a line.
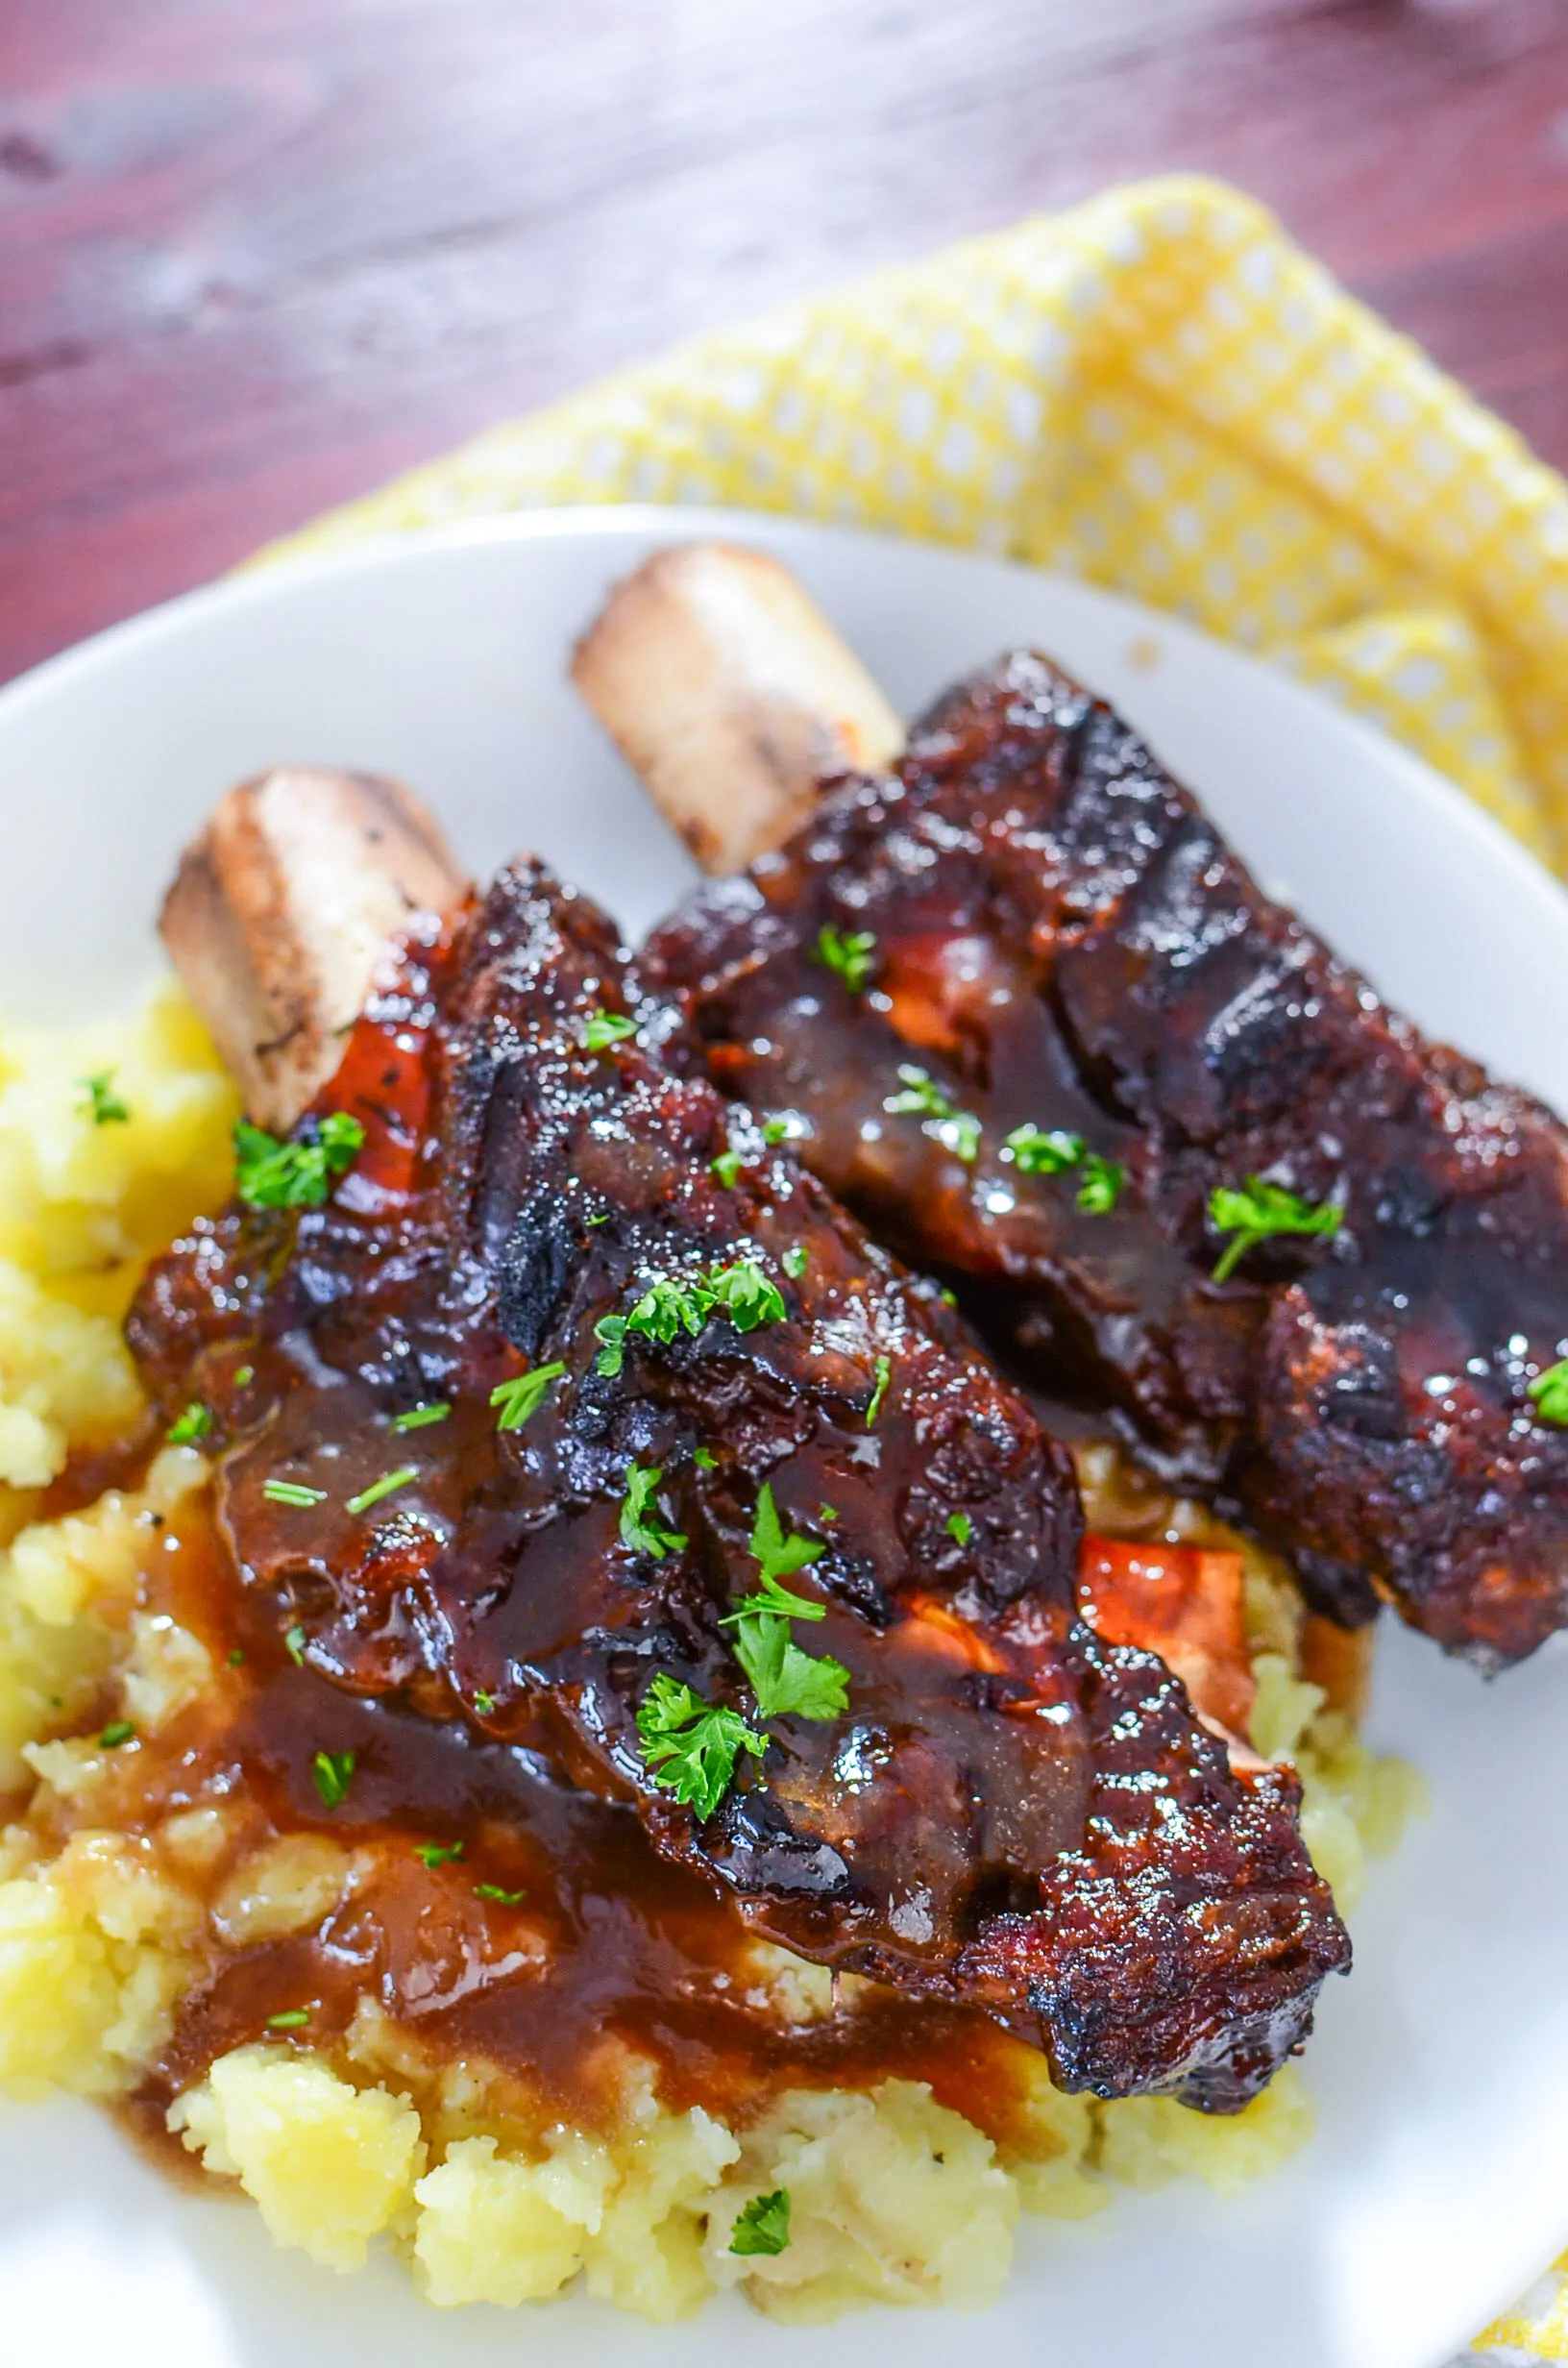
1009,1813
1063,940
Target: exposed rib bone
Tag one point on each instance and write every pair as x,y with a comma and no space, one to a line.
278,912
730,694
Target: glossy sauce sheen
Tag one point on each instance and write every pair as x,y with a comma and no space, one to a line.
1009,1814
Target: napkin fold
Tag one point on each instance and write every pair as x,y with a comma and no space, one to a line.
1159,392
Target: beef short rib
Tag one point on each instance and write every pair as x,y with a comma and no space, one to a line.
1002,1810
1029,925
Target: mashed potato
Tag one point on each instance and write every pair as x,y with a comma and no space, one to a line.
110,1142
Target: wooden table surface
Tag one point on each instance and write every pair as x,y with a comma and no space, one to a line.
257,255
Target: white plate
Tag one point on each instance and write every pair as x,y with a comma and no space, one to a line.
1437,2183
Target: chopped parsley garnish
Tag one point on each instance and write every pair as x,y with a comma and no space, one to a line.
605,1028
781,1557
386,1486
196,1422
778,1129
272,1175
763,2226
523,1396
828,1513
958,1528
434,1854
923,1098
948,1298
848,951
103,1105
671,1306
610,1332
884,1374
118,1731
237,1657
1037,1150
484,1703
794,1261
704,1459
493,1890
292,2018
674,1304
244,1376
601,1219
292,1493
1260,1209
747,1297
1103,1180
784,1679
294,1640
420,1418
691,1747
726,1168
1547,1392
333,1772
640,1532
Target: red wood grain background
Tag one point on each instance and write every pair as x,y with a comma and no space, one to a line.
254,254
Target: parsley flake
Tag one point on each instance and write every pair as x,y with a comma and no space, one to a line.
495,1890
521,1397
292,1493
704,1459
674,1304
749,1298
484,1703
884,1374
103,1105
781,1557
1260,1209
1035,1151
778,1129
639,1533
237,1657
958,1528
196,1422
420,1418
794,1261
292,2018
604,1028
849,952
298,1174
958,1130
763,2226
434,1854
333,1772
725,1169
294,1640
118,1731
1103,1180
386,1486
1547,1392
244,1376
784,1679
610,1332
691,1747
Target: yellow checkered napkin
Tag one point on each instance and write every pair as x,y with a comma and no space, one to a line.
1159,392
